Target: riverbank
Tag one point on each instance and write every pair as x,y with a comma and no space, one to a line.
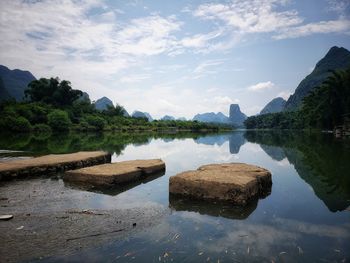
53,219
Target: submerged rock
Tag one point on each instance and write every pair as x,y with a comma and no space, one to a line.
237,183
115,173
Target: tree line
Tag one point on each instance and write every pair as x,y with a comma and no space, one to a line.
53,105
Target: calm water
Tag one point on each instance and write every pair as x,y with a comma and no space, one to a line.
306,217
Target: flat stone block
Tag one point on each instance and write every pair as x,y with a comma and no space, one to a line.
237,183
115,173
51,163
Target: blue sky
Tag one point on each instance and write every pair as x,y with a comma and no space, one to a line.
174,57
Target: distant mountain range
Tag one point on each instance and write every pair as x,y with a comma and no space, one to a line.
336,58
140,114
211,117
13,83
84,97
275,105
168,118
236,117
103,103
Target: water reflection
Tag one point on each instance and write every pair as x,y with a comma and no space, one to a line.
113,142
113,190
274,152
217,209
319,159
291,225
235,139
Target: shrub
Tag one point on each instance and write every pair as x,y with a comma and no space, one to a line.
83,126
42,128
59,120
95,121
16,124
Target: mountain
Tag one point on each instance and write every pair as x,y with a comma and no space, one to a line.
181,119
211,117
336,58
84,98
4,95
125,113
275,105
102,103
236,117
14,82
168,118
148,116
140,114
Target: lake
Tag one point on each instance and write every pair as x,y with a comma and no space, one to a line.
305,218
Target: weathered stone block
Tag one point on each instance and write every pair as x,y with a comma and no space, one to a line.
51,163
235,182
115,173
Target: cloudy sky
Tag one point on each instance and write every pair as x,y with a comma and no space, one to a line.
174,57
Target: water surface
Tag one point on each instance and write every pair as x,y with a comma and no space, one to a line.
306,217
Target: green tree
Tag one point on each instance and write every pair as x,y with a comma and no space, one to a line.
52,91
97,122
118,110
16,124
59,120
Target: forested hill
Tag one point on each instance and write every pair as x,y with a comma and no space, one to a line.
337,58
275,105
323,108
13,83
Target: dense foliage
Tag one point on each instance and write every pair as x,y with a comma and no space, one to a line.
58,120
323,108
52,91
52,105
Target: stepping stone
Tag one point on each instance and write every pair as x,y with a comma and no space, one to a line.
51,163
115,173
237,183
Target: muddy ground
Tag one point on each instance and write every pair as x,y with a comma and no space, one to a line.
53,219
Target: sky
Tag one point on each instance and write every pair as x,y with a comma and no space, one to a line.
170,57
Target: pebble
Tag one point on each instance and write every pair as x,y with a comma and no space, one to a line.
6,217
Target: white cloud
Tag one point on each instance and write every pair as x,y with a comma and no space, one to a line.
241,19
91,43
200,40
62,38
322,27
339,6
262,86
284,94
202,67
252,110
148,36
225,100
135,78
250,16
218,104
